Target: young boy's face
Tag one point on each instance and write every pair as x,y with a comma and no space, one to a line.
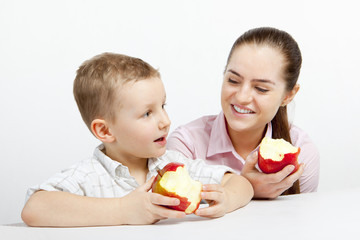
141,123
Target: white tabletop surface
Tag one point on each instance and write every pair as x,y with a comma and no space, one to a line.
322,215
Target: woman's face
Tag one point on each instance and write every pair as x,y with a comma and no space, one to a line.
253,88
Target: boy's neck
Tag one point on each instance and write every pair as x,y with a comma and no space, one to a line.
138,167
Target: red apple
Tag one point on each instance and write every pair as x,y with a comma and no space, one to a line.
275,154
174,181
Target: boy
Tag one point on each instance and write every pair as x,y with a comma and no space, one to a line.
121,99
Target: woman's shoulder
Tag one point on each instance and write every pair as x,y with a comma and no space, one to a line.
299,137
202,125
200,122
192,137
298,134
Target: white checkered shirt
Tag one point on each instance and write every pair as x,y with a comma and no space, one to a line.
100,176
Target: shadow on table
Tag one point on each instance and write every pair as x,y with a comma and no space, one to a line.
188,218
172,221
15,225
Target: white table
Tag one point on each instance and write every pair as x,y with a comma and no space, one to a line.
323,215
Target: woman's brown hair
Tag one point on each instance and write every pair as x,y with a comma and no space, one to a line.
289,48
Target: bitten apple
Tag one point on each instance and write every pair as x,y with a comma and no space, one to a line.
275,154
174,181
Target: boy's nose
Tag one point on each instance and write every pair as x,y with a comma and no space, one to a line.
164,121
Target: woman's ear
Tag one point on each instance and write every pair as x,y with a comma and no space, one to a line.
290,95
100,129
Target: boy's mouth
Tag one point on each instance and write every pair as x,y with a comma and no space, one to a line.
159,139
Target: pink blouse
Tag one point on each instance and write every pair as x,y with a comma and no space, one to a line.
207,138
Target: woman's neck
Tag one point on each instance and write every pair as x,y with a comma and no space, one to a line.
245,142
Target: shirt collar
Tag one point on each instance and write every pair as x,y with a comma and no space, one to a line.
114,168
154,164
220,141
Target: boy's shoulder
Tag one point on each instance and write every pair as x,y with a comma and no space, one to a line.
96,164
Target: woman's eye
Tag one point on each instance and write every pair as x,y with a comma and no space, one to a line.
232,81
262,90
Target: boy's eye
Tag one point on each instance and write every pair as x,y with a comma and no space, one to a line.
147,114
163,106
262,90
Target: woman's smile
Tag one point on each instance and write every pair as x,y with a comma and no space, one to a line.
242,110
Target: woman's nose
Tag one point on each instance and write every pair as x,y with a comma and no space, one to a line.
244,95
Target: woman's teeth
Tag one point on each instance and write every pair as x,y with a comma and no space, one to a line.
239,110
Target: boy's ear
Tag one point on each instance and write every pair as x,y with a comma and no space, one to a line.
290,95
100,129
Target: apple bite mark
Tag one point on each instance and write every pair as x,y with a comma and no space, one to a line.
174,181
275,154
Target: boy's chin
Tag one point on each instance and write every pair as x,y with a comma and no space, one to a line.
159,153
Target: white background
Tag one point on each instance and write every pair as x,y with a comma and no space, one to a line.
42,43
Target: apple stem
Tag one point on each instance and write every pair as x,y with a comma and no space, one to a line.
158,170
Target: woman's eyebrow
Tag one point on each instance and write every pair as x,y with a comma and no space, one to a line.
255,80
264,81
234,72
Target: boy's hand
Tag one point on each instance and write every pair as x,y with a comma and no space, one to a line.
144,207
269,185
215,195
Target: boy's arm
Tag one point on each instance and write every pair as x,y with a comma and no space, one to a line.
238,191
62,209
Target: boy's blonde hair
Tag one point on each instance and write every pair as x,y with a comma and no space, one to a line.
98,79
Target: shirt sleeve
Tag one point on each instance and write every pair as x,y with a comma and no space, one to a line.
199,170
68,180
179,141
309,155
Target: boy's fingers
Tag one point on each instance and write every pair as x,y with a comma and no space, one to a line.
159,199
147,185
214,196
212,187
164,213
207,211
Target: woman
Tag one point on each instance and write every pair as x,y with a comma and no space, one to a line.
260,79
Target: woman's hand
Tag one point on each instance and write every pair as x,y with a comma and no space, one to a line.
269,185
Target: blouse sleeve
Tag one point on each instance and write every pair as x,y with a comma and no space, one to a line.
309,155
309,180
179,140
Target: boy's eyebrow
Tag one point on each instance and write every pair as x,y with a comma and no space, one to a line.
255,80
150,104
